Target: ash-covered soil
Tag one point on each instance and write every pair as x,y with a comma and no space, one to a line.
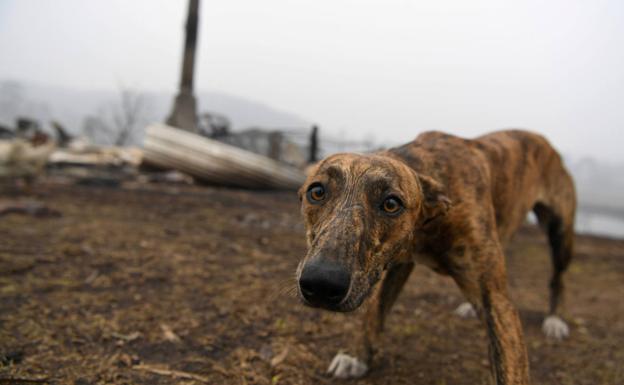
192,285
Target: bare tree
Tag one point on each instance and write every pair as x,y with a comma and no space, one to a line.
118,122
127,117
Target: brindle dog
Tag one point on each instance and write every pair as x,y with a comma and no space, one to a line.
449,203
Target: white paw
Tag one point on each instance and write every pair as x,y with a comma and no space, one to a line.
466,310
555,327
345,366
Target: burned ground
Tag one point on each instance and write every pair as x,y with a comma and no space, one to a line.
182,285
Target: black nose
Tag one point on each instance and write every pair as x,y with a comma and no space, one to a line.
323,282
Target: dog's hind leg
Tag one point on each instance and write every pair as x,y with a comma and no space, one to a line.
559,227
347,366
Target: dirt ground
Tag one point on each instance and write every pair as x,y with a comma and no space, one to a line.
191,285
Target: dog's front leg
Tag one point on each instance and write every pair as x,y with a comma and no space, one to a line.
346,366
508,355
488,289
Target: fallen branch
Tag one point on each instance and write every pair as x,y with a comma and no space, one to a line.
169,335
171,373
126,337
19,380
32,208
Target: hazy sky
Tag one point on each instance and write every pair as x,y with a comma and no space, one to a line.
385,69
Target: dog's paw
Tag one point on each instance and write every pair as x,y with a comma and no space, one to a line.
466,310
554,327
345,366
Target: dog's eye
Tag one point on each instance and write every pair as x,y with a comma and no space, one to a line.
316,193
392,205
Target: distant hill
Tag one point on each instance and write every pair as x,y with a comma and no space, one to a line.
71,106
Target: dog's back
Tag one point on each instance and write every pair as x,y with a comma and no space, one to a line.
526,174
521,169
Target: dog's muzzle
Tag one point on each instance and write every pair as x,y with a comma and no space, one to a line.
324,283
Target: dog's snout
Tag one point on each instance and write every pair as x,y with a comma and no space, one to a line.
324,283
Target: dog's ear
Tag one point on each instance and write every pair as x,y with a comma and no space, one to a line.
435,202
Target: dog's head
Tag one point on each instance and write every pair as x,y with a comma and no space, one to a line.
362,213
